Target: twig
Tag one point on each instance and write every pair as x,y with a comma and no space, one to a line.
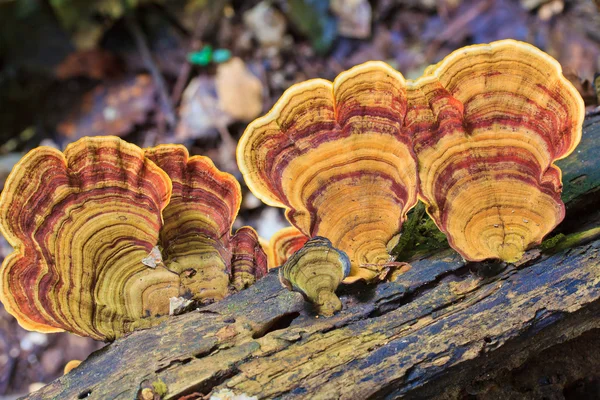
166,105
186,68
458,24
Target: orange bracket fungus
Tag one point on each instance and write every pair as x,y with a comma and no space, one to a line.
316,270
196,237
488,122
336,157
283,244
80,223
249,260
83,221
71,365
484,126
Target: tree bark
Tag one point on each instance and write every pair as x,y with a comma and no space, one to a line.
440,325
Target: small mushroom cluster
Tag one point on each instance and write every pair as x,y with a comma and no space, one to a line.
82,222
475,138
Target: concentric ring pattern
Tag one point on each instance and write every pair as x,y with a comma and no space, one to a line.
487,123
476,136
80,223
335,156
197,231
283,244
316,270
84,223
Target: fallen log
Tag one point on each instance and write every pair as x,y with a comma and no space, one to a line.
439,326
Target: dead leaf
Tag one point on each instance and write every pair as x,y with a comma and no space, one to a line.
240,92
177,305
153,259
111,109
95,64
199,113
267,24
354,18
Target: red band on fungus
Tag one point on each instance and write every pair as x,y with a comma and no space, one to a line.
488,122
196,237
198,219
283,244
84,222
249,261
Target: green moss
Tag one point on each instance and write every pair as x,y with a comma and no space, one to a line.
160,388
580,172
562,242
552,242
419,235
409,229
576,239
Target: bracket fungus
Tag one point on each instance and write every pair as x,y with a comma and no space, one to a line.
484,126
283,244
335,156
82,221
488,122
248,259
316,270
196,237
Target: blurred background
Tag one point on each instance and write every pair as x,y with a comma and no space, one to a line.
197,71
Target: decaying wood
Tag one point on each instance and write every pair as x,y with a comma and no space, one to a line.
443,323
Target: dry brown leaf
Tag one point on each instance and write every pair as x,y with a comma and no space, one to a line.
95,63
354,18
267,24
111,109
240,92
199,113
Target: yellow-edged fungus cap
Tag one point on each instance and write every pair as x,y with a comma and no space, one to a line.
488,122
316,270
283,244
336,157
249,260
196,237
80,224
84,222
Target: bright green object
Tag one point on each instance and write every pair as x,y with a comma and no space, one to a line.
202,57
206,55
221,55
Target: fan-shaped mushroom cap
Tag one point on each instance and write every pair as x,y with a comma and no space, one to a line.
335,156
316,270
196,236
197,231
283,244
488,123
80,223
249,260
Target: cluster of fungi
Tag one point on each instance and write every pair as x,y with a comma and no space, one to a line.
82,221
475,138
